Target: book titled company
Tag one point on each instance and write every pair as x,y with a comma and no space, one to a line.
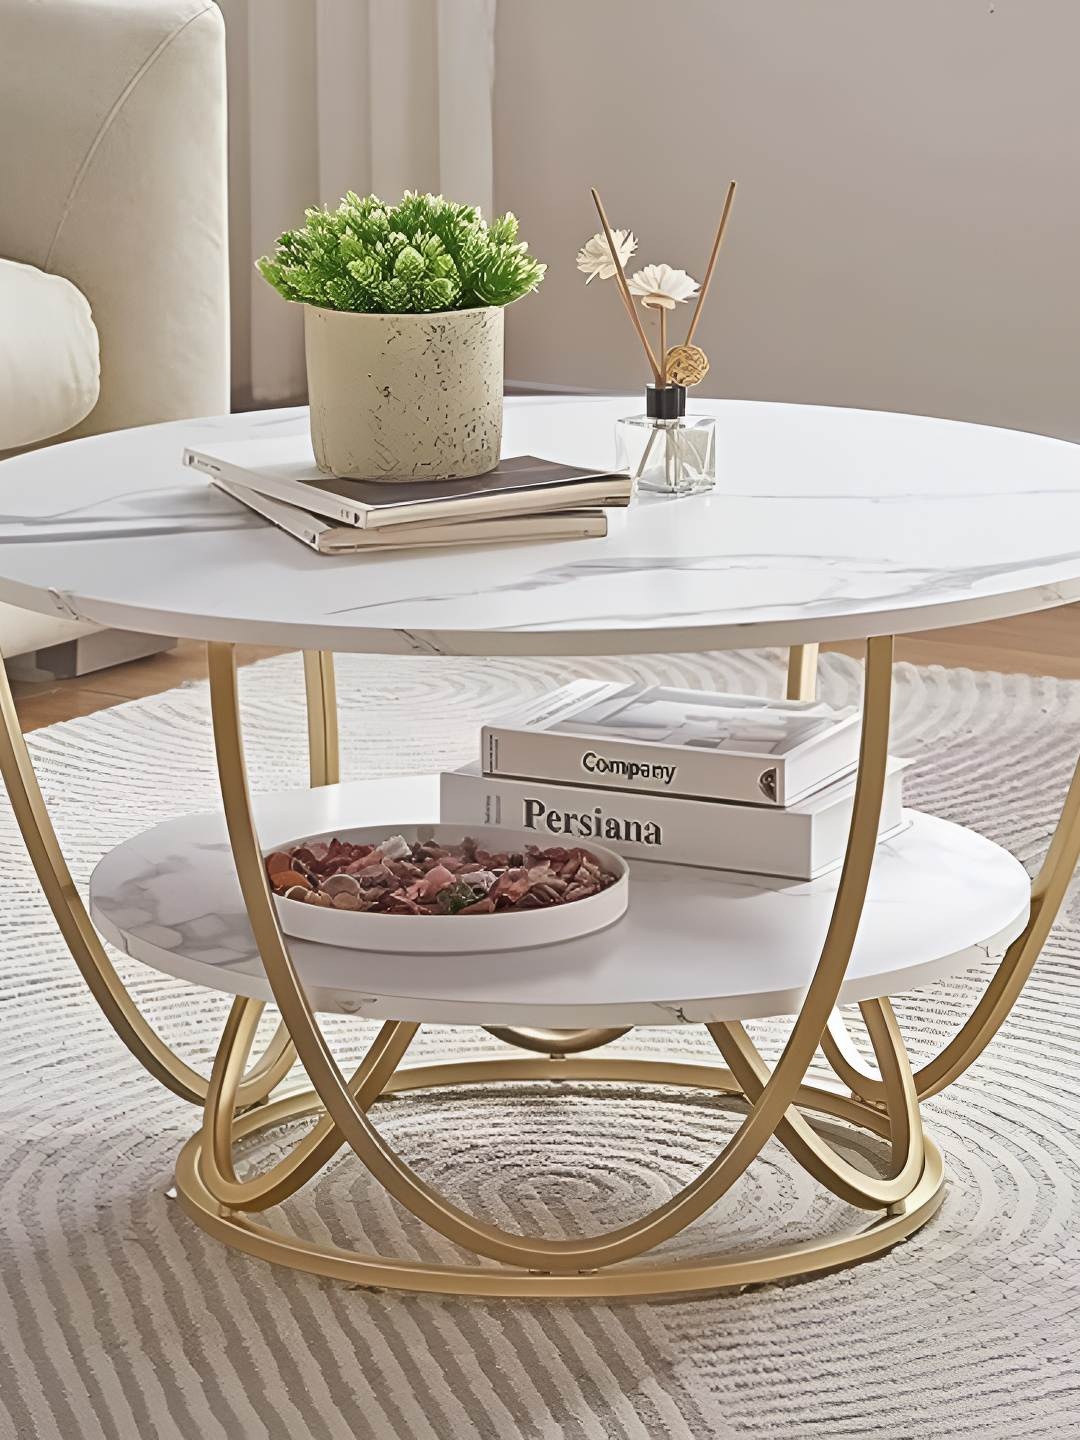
665,741
800,842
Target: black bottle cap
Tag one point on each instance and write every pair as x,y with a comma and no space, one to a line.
665,402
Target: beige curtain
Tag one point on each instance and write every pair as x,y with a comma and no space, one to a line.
333,95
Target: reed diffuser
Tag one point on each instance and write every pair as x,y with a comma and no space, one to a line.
664,450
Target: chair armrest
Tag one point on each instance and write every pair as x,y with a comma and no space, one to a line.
119,185
48,355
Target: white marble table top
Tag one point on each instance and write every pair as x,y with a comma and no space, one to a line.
825,524
695,944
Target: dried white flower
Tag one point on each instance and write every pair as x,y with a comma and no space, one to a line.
661,287
594,258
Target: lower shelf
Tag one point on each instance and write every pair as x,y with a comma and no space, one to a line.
695,945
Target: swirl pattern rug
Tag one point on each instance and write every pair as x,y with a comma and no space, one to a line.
119,1319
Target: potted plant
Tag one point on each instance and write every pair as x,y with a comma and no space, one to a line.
403,331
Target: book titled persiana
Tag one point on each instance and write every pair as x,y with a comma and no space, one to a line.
798,843
666,741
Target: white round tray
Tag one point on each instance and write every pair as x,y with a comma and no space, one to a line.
455,934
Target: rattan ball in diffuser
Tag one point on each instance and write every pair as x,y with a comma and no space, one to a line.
686,365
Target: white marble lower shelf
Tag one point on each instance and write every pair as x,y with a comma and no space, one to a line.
695,945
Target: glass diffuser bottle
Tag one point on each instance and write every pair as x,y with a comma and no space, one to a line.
663,451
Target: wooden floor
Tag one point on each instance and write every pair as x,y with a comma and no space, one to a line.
45,702
1043,644
1047,643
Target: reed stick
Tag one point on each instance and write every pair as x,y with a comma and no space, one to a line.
624,288
719,240
663,344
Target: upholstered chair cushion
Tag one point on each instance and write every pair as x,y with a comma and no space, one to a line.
48,355
112,173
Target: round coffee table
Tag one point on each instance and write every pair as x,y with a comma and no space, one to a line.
826,524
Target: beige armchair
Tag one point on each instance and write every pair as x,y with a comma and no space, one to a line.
113,232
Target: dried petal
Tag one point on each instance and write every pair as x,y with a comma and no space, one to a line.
435,880
283,879
479,907
340,885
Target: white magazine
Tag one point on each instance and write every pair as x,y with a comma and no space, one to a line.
330,539
284,468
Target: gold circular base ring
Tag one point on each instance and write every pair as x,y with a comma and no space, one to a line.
629,1280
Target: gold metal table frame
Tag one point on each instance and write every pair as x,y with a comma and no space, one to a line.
236,1098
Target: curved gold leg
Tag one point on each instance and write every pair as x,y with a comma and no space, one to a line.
767,1109
320,693
268,1071
1047,893
816,1155
324,765
71,915
201,1201
318,1146
85,945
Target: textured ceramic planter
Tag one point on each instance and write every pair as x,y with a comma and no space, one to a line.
405,397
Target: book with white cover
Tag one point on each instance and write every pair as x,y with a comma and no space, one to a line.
799,843
284,468
330,539
654,738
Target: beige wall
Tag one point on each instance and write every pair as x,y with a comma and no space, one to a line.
907,232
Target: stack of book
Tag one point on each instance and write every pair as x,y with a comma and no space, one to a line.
730,782
524,498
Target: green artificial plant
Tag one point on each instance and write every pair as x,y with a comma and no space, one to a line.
423,254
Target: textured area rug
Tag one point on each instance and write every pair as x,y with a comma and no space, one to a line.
119,1319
